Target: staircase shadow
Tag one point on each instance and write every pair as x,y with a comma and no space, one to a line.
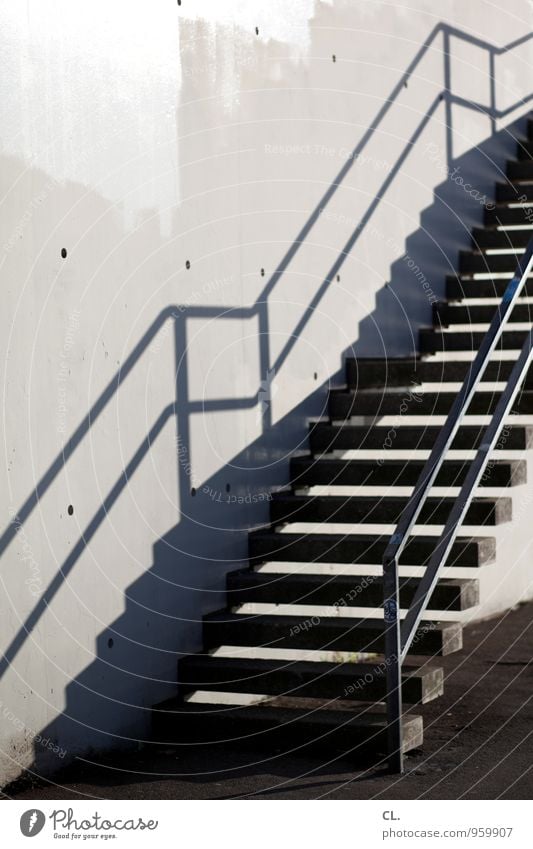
135,665
417,277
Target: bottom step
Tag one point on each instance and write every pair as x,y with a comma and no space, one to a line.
277,725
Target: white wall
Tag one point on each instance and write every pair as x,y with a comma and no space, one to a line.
139,137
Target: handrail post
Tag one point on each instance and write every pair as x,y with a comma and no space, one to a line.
393,664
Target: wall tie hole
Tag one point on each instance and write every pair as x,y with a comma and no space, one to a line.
110,643
70,510
193,492
187,265
64,253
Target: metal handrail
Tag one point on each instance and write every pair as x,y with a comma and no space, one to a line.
398,636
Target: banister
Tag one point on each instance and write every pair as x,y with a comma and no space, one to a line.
398,637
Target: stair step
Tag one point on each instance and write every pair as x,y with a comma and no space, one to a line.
386,510
457,288
344,404
275,727
507,216
431,340
370,373
506,239
469,552
521,170
301,679
474,262
514,192
322,633
447,314
251,586
325,438
307,471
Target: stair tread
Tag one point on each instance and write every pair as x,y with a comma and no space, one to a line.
332,633
446,313
347,727
488,237
334,471
415,402
310,667
362,681
387,509
312,588
464,287
365,548
343,436
369,373
432,340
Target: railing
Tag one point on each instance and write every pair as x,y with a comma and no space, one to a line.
398,635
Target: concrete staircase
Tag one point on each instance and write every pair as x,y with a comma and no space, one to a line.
295,659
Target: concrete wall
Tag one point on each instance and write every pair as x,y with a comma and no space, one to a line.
202,206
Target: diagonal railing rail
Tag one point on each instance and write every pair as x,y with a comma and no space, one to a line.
398,635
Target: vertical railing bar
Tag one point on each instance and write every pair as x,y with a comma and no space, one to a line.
462,503
492,83
393,666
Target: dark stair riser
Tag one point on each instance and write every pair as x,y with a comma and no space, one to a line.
514,192
346,437
431,341
387,510
521,170
300,679
492,238
524,149
505,216
459,288
323,634
375,374
342,405
450,314
333,548
249,586
305,473
476,263
279,729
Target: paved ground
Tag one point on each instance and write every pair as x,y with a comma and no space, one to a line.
478,745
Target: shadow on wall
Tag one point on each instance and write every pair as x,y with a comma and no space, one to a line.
135,659
417,277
